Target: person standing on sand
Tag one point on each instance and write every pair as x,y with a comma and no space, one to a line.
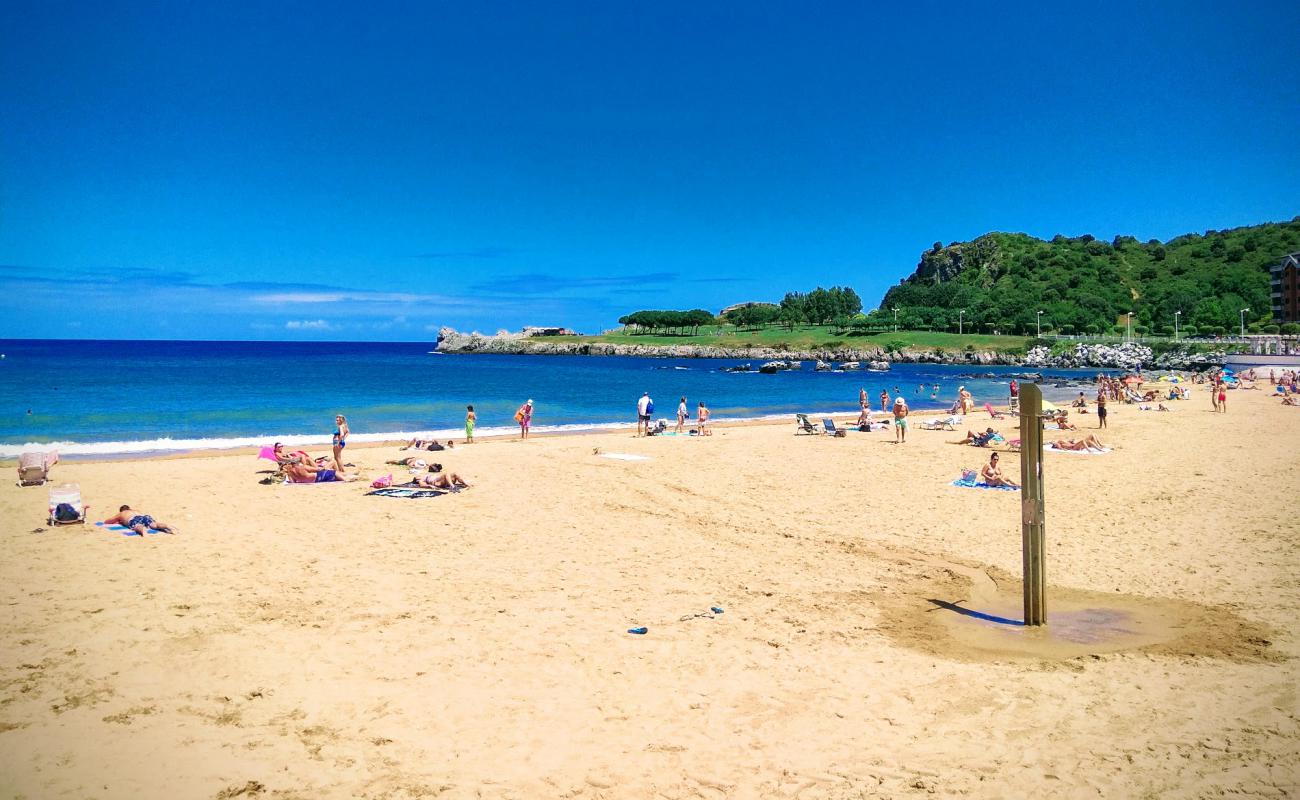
900,420
884,401
1223,397
340,439
702,419
524,416
644,408
470,419
682,415
1214,391
1101,407
862,396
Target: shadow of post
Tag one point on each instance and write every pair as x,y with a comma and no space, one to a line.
966,612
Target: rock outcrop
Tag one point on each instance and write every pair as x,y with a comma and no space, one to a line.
1129,355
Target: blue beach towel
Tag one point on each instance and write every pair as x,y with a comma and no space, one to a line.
122,529
976,485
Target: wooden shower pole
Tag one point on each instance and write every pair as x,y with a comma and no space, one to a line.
1031,505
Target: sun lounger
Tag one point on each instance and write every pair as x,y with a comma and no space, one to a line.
62,498
948,423
994,414
34,468
805,425
828,425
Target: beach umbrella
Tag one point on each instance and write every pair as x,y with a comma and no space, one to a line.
1049,406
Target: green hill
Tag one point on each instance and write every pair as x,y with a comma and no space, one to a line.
1085,285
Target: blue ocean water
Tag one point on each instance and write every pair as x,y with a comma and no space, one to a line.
107,397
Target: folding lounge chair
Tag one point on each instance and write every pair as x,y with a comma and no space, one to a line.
68,494
994,414
829,425
34,468
805,425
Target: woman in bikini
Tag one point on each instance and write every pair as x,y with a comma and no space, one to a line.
436,479
340,439
992,475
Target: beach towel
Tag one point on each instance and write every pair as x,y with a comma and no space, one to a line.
1091,451
977,485
407,492
125,531
624,457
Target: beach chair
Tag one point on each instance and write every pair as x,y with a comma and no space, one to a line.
994,414
805,425
63,498
940,424
34,468
828,425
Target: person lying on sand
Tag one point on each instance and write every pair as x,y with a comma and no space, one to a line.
1290,400
138,522
992,474
312,473
435,478
431,445
1089,442
978,439
284,458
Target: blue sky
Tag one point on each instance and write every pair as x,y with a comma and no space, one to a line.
326,171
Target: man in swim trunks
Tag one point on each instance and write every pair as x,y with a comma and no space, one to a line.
311,473
643,414
140,523
1101,408
900,420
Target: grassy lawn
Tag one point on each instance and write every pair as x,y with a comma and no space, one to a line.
817,337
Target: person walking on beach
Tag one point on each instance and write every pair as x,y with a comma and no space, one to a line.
1223,397
470,419
1101,407
862,396
884,401
138,522
340,439
702,420
682,415
644,408
524,416
900,420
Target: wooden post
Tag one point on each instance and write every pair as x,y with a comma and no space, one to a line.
1031,504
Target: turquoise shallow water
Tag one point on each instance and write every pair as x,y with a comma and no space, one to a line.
110,397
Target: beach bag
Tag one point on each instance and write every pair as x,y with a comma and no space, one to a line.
650,408
64,512
967,477
382,483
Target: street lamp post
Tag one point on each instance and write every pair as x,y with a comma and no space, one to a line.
1177,314
960,314
1129,326
1040,324
895,319
1243,322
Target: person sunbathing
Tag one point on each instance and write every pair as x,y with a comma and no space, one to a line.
284,458
992,474
435,478
140,523
409,461
1089,442
978,439
313,473
1290,400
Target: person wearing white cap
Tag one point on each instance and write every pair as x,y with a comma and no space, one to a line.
900,420
644,408
524,416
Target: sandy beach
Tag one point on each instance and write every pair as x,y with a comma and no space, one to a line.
314,642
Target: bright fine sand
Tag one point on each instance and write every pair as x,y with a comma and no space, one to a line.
313,642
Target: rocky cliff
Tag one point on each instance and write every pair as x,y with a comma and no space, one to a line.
453,341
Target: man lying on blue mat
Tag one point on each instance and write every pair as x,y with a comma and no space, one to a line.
137,521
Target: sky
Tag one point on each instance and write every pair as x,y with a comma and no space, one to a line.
332,171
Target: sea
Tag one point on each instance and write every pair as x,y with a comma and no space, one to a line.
119,398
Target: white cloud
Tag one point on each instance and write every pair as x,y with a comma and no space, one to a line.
308,325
